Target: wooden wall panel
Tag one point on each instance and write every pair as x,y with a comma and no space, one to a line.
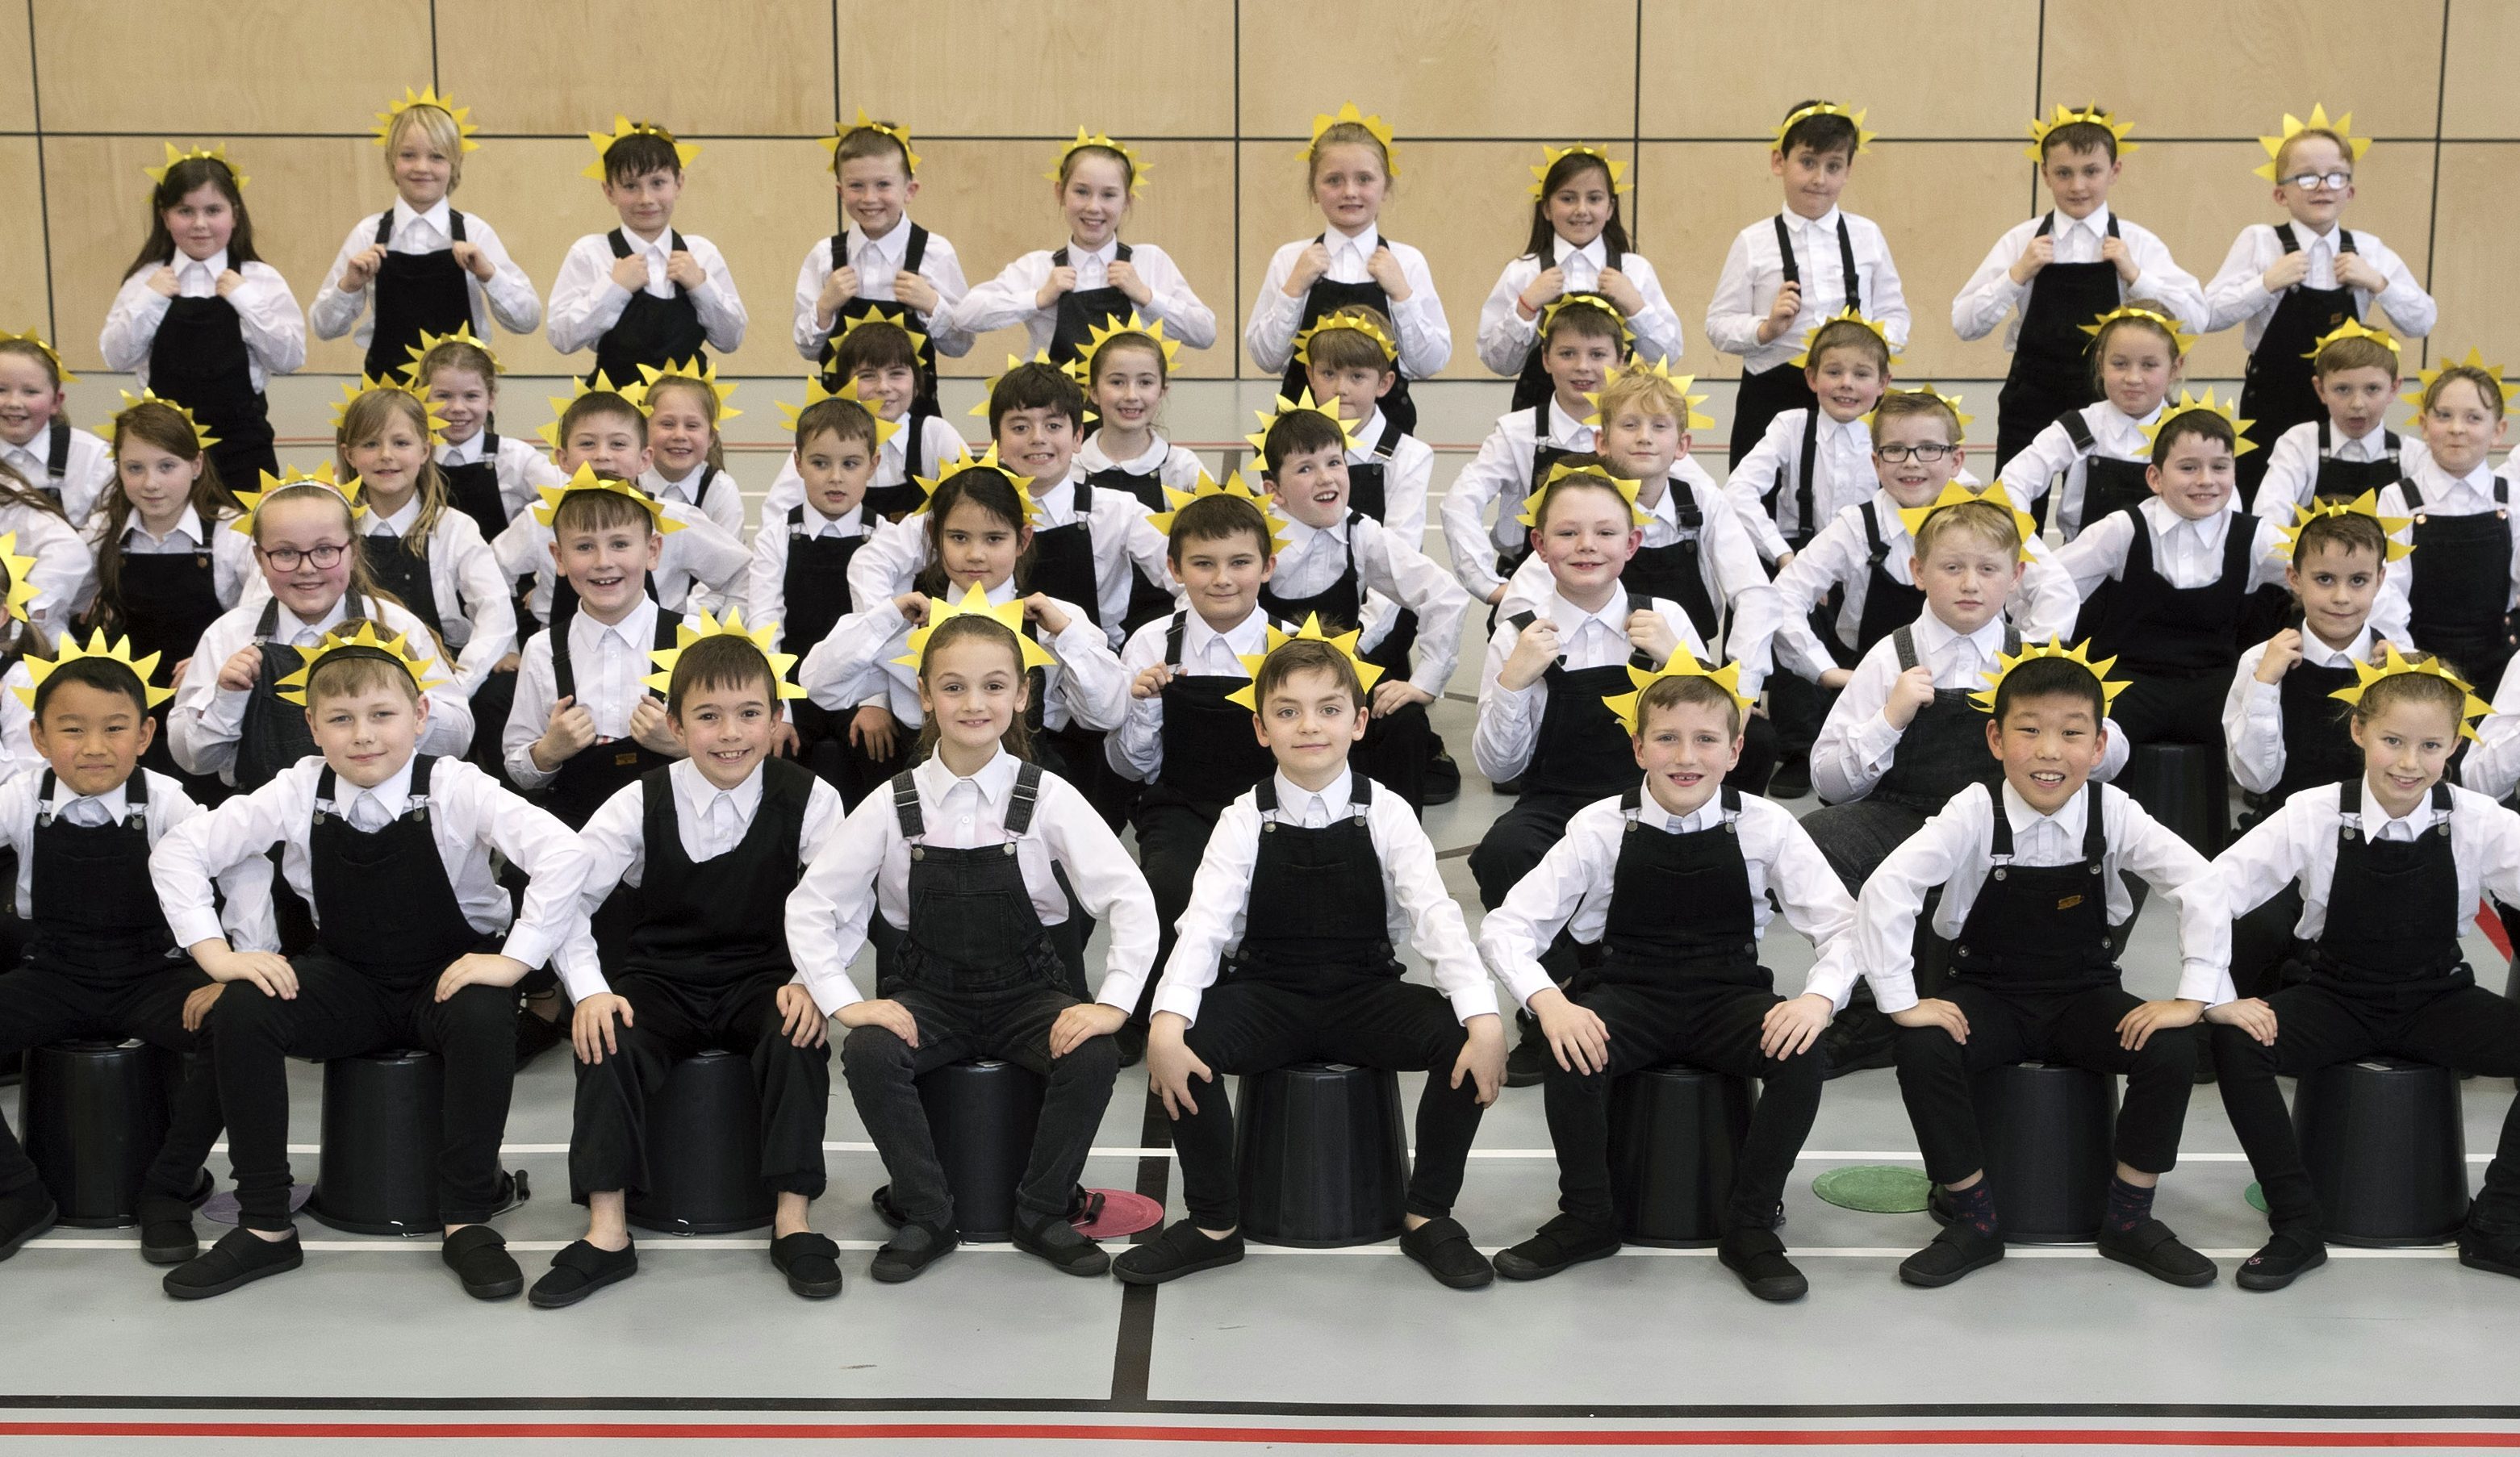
17,73
762,67
22,300
1439,68
2472,264
2479,63
2235,68
1948,68
214,67
1174,76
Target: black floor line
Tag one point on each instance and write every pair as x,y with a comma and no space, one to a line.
1133,1353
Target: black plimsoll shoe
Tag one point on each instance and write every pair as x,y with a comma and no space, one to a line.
2491,1249
1444,1248
1758,1257
1791,779
1861,1037
1443,782
166,1235
24,1215
1181,1250
1131,1043
2282,1259
1562,1242
1528,1063
240,1258
2151,1248
913,1248
580,1272
1955,1252
811,1263
535,1037
478,1256
1058,1242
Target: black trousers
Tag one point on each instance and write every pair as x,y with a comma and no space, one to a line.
1394,753
2078,1028
342,1012
1516,841
1798,708
883,1072
42,1004
1707,1023
607,1147
1172,838
2261,941
2469,1029
1857,836
2171,710
491,701
823,748
1250,1026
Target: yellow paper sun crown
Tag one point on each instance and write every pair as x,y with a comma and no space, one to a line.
2424,379
2294,126
1848,315
201,435
463,335
1347,319
1950,401
21,585
898,318
578,388
816,394
624,127
2080,653
2068,116
1862,138
1367,674
1206,485
1347,112
1661,369
2189,404
51,353
547,510
320,476
365,643
1138,169
2394,663
120,651
947,469
1531,503
1913,517
974,602
2354,328
428,97
398,384
687,632
900,134
1683,664
1303,403
2289,538
218,154
1015,362
698,371
1098,334
2181,341
1551,156
1564,301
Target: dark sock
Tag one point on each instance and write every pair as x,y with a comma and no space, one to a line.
2129,1206
1974,1206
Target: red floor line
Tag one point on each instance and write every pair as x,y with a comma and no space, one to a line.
1285,1435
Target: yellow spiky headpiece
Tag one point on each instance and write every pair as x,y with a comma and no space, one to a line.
1683,664
898,318
2394,663
623,128
2091,116
2189,404
547,510
2080,653
1862,138
120,651
2424,379
2294,126
578,389
1206,485
1347,112
974,602
1848,315
687,632
218,154
816,394
401,385
1367,674
1539,498
2289,538
1099,334
428,97
2181,341
698,371
364,643
320,476
1661,370
1015,362
1551,156
201,435
2354,328
1950,401
51,353
1352,320
1955,494
463,335
900,134
1138,167
1601,301
21,585
1303,404
947,469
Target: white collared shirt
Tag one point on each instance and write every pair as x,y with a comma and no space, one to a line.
2293,460
606,662
2053,452
766,595
267,315
245,888
1419,910
2187,552
878,261
2238,294
2296,845
1425,340
1507,339
1007,300
1842,475
524,471
2444,495
706,489
2253,727
1501,474
509,296
473,599
827,911
1509,719
1955,851
87,467
853,665
585,302
1990,294
1754,273
1314,559
1136,749
65,570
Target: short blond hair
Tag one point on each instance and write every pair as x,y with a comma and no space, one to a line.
437,125
1989,522
1646,390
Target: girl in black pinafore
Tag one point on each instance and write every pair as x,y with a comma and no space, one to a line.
2458,582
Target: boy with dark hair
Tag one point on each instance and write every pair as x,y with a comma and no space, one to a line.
642,294
2349,449
1580,344
876,361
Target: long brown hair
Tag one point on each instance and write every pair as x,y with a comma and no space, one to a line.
366,419
1017,738
184,177
158,424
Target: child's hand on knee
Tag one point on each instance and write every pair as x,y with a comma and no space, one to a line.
1794,1024
196,1007
1576,1033
479,969
268,970
590,1029
1170,1064
799,1018
2249,1014
1483,1056
1391,696
1933,1011
1081,1024
2140,1023
883,1012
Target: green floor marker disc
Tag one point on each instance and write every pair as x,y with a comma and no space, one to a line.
2257,1197
1874,1188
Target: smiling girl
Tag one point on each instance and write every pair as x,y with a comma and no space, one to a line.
2137,359
1579,245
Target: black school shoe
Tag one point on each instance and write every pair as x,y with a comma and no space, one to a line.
535,1036
1443,781
1758,1257
2491,1247
1955,1252
2281,1260
1444,1248
1791,779
2151,1248
1181,1250
478,1256
1859,1038
1528,1063
1562,1242
580,1272
166,1235
1058,1241
24,1215
912,1248
811,1263
1131,1043
240,1258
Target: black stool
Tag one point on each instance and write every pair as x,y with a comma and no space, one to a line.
384,1124
705,1151
1322,1156
2184,786
1675,1133
982,1116
2386,1151
94,1114
2046,1128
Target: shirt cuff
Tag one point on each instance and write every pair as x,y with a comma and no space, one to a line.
1181,1001
192,928
1477,1000
2205,982
531,944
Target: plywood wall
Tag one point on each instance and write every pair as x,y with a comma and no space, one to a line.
1218,94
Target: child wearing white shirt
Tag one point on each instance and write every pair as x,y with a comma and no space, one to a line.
642,294
879,258
1579,245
